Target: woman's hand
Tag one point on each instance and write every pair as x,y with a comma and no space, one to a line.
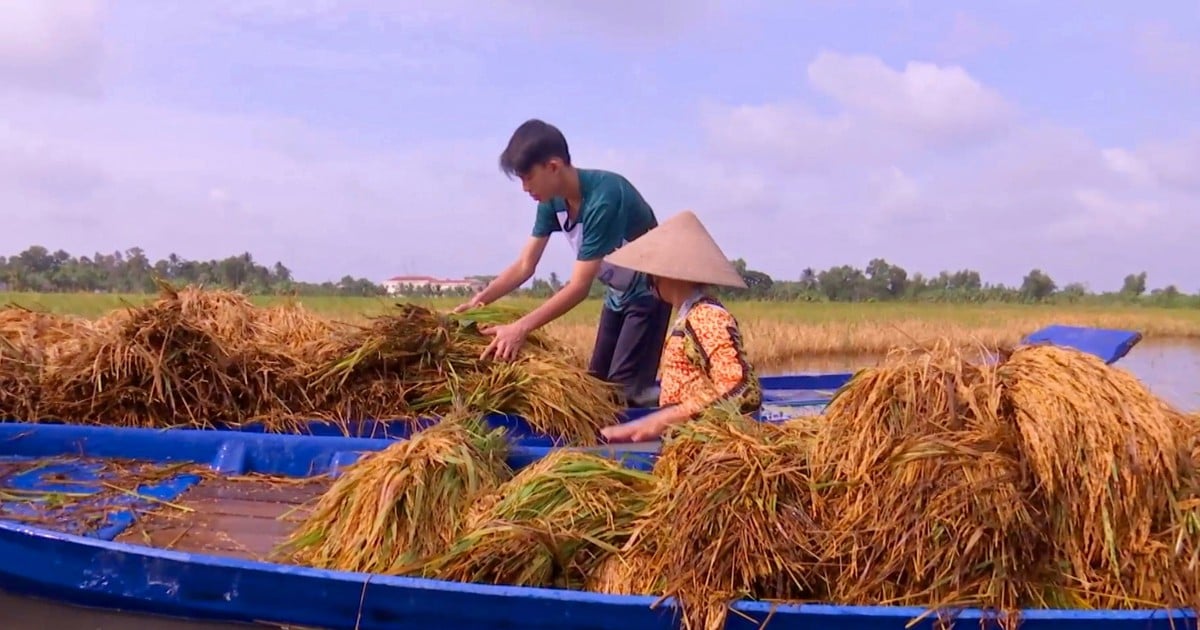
647,428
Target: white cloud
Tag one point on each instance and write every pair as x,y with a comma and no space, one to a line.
209,186
943,104
1174,162
1127,163
623,22
932,169
896,193
51,45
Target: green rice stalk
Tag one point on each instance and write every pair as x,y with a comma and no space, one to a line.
551,525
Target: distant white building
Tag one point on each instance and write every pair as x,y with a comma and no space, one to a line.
401,285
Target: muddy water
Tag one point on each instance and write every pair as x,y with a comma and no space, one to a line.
1170,370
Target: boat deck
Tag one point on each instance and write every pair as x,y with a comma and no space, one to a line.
243,517
174,506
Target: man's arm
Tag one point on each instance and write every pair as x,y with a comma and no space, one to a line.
601,236
518,273
567,298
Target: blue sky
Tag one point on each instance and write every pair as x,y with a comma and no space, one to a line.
363,136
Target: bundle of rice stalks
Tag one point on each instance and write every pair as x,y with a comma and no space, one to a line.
556,400
924,488
27,338
290,343
397,507
550,525
730,518
1113,467
625,573
18,382
26,327
182,360
292,328
424,360
227,315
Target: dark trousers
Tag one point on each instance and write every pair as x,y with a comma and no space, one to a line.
629,346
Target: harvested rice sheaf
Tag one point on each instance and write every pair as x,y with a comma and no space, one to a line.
925,489
186,359
18,381
290,341
729,519
206,358
27,338
552,524
1048,479
396,507
625,573
429,359
1114,467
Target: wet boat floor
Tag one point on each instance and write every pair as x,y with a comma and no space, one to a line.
243,517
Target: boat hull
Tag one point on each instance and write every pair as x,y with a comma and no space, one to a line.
110,575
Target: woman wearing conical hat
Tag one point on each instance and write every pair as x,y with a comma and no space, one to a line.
704,361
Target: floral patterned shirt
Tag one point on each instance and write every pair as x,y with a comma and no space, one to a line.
704,362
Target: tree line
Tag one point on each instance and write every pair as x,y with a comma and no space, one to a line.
39,270
882,281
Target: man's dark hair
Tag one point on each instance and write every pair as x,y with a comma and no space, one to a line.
533,143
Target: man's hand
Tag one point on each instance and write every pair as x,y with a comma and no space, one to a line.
507,340
468,305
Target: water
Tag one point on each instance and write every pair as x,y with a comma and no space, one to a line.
1170,369
22,613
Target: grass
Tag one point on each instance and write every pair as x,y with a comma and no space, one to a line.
779,335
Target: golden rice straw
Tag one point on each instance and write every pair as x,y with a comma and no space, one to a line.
625,573
924,489
29,338
182,360
429,359
1109,459
551,525
730,517
398,506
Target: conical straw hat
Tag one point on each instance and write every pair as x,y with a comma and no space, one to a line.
679,248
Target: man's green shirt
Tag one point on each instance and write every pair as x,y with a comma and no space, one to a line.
613,213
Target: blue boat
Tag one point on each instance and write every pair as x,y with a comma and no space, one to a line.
105,563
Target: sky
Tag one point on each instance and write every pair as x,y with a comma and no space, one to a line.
363,137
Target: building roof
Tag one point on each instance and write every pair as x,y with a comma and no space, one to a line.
413,279
429,279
